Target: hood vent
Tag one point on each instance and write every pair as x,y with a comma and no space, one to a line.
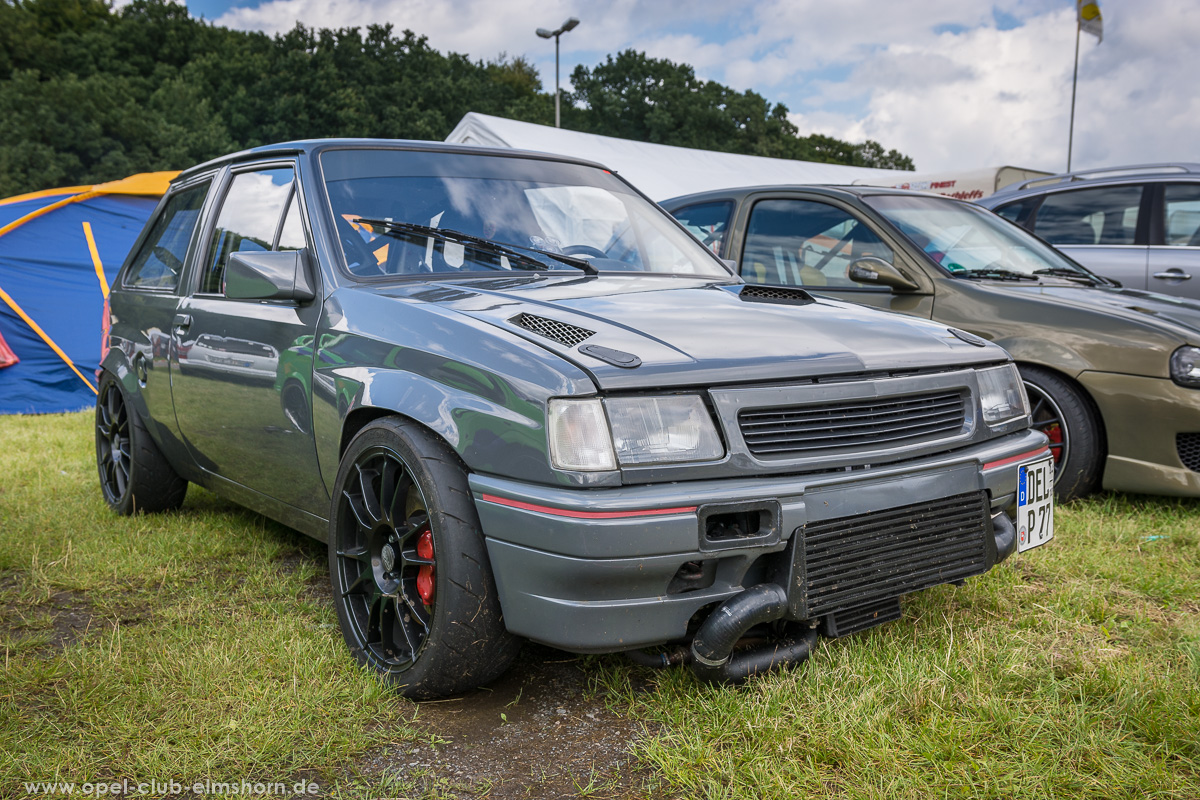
561,332
757,293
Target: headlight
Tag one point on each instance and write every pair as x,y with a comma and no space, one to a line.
1185,366
579,438
1002,394
644,430
662,429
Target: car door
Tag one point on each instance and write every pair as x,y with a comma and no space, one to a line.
1174,252
243,372
148,295
1105,228
810,241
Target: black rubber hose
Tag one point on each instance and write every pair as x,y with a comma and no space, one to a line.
677,655
1006,536
712,649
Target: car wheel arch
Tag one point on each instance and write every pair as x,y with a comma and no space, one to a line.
1086,479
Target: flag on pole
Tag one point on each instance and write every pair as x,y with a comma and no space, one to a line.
1090,20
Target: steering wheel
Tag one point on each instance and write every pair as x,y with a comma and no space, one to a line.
584,250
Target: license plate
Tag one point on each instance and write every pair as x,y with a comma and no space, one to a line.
1035,504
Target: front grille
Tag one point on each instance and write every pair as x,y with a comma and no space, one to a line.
864,424
1188,445
562,332
859,560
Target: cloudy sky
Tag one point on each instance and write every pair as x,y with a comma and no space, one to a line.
956,84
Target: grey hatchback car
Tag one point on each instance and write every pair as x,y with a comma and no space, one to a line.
503,388
1139,225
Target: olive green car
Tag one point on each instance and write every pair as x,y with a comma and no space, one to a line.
1113,374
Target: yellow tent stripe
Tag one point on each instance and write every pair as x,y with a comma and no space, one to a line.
32,215
20,312
91,241
21,198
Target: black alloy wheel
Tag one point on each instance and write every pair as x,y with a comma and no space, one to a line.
386,559
134,474
412,582
114,447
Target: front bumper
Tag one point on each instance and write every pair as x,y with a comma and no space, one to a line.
598,570
1142,418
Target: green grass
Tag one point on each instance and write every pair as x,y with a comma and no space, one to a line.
202,644
193,645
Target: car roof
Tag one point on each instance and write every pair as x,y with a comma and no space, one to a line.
828,190
313,146
1100,177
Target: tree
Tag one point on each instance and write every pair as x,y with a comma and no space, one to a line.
89,94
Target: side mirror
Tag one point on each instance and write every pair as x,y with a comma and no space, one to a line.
733,265
878,272
270,275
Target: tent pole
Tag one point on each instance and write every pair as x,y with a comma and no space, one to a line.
1074,84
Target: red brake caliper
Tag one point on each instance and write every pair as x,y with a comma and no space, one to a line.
425,573
1055,435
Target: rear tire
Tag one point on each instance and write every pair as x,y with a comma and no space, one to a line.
1062,412
134,474
412,583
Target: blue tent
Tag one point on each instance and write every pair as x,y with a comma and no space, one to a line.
53,282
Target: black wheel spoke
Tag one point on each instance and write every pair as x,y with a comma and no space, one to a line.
403,613
369,495
358,554
414,524
389,490
356,507
410,557
417,612
363,580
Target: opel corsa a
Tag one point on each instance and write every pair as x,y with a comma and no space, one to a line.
519,401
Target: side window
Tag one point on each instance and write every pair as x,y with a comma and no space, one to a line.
708,222
160,261
806,243
1103,215
250,217
1020,211
1181,213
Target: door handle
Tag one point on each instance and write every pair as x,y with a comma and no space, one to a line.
181,323
1174,274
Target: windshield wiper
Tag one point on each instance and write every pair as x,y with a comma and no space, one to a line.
1070,274
506,249
997,273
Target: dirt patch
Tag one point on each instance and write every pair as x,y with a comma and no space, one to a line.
537,732
60,621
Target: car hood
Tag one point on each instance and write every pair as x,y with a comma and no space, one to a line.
1177,315
695,332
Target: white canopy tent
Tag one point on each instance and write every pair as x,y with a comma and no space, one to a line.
659,170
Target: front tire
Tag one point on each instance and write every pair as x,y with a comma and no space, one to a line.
1064,414
134,474
412,583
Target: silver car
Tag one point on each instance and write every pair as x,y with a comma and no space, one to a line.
1139,225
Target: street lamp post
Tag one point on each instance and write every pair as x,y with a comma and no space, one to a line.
569,25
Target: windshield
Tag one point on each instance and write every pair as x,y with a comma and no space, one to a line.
970,241
412,213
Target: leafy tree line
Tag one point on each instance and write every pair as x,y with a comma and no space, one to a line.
89,94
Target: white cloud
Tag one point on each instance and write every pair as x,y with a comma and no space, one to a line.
936,79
